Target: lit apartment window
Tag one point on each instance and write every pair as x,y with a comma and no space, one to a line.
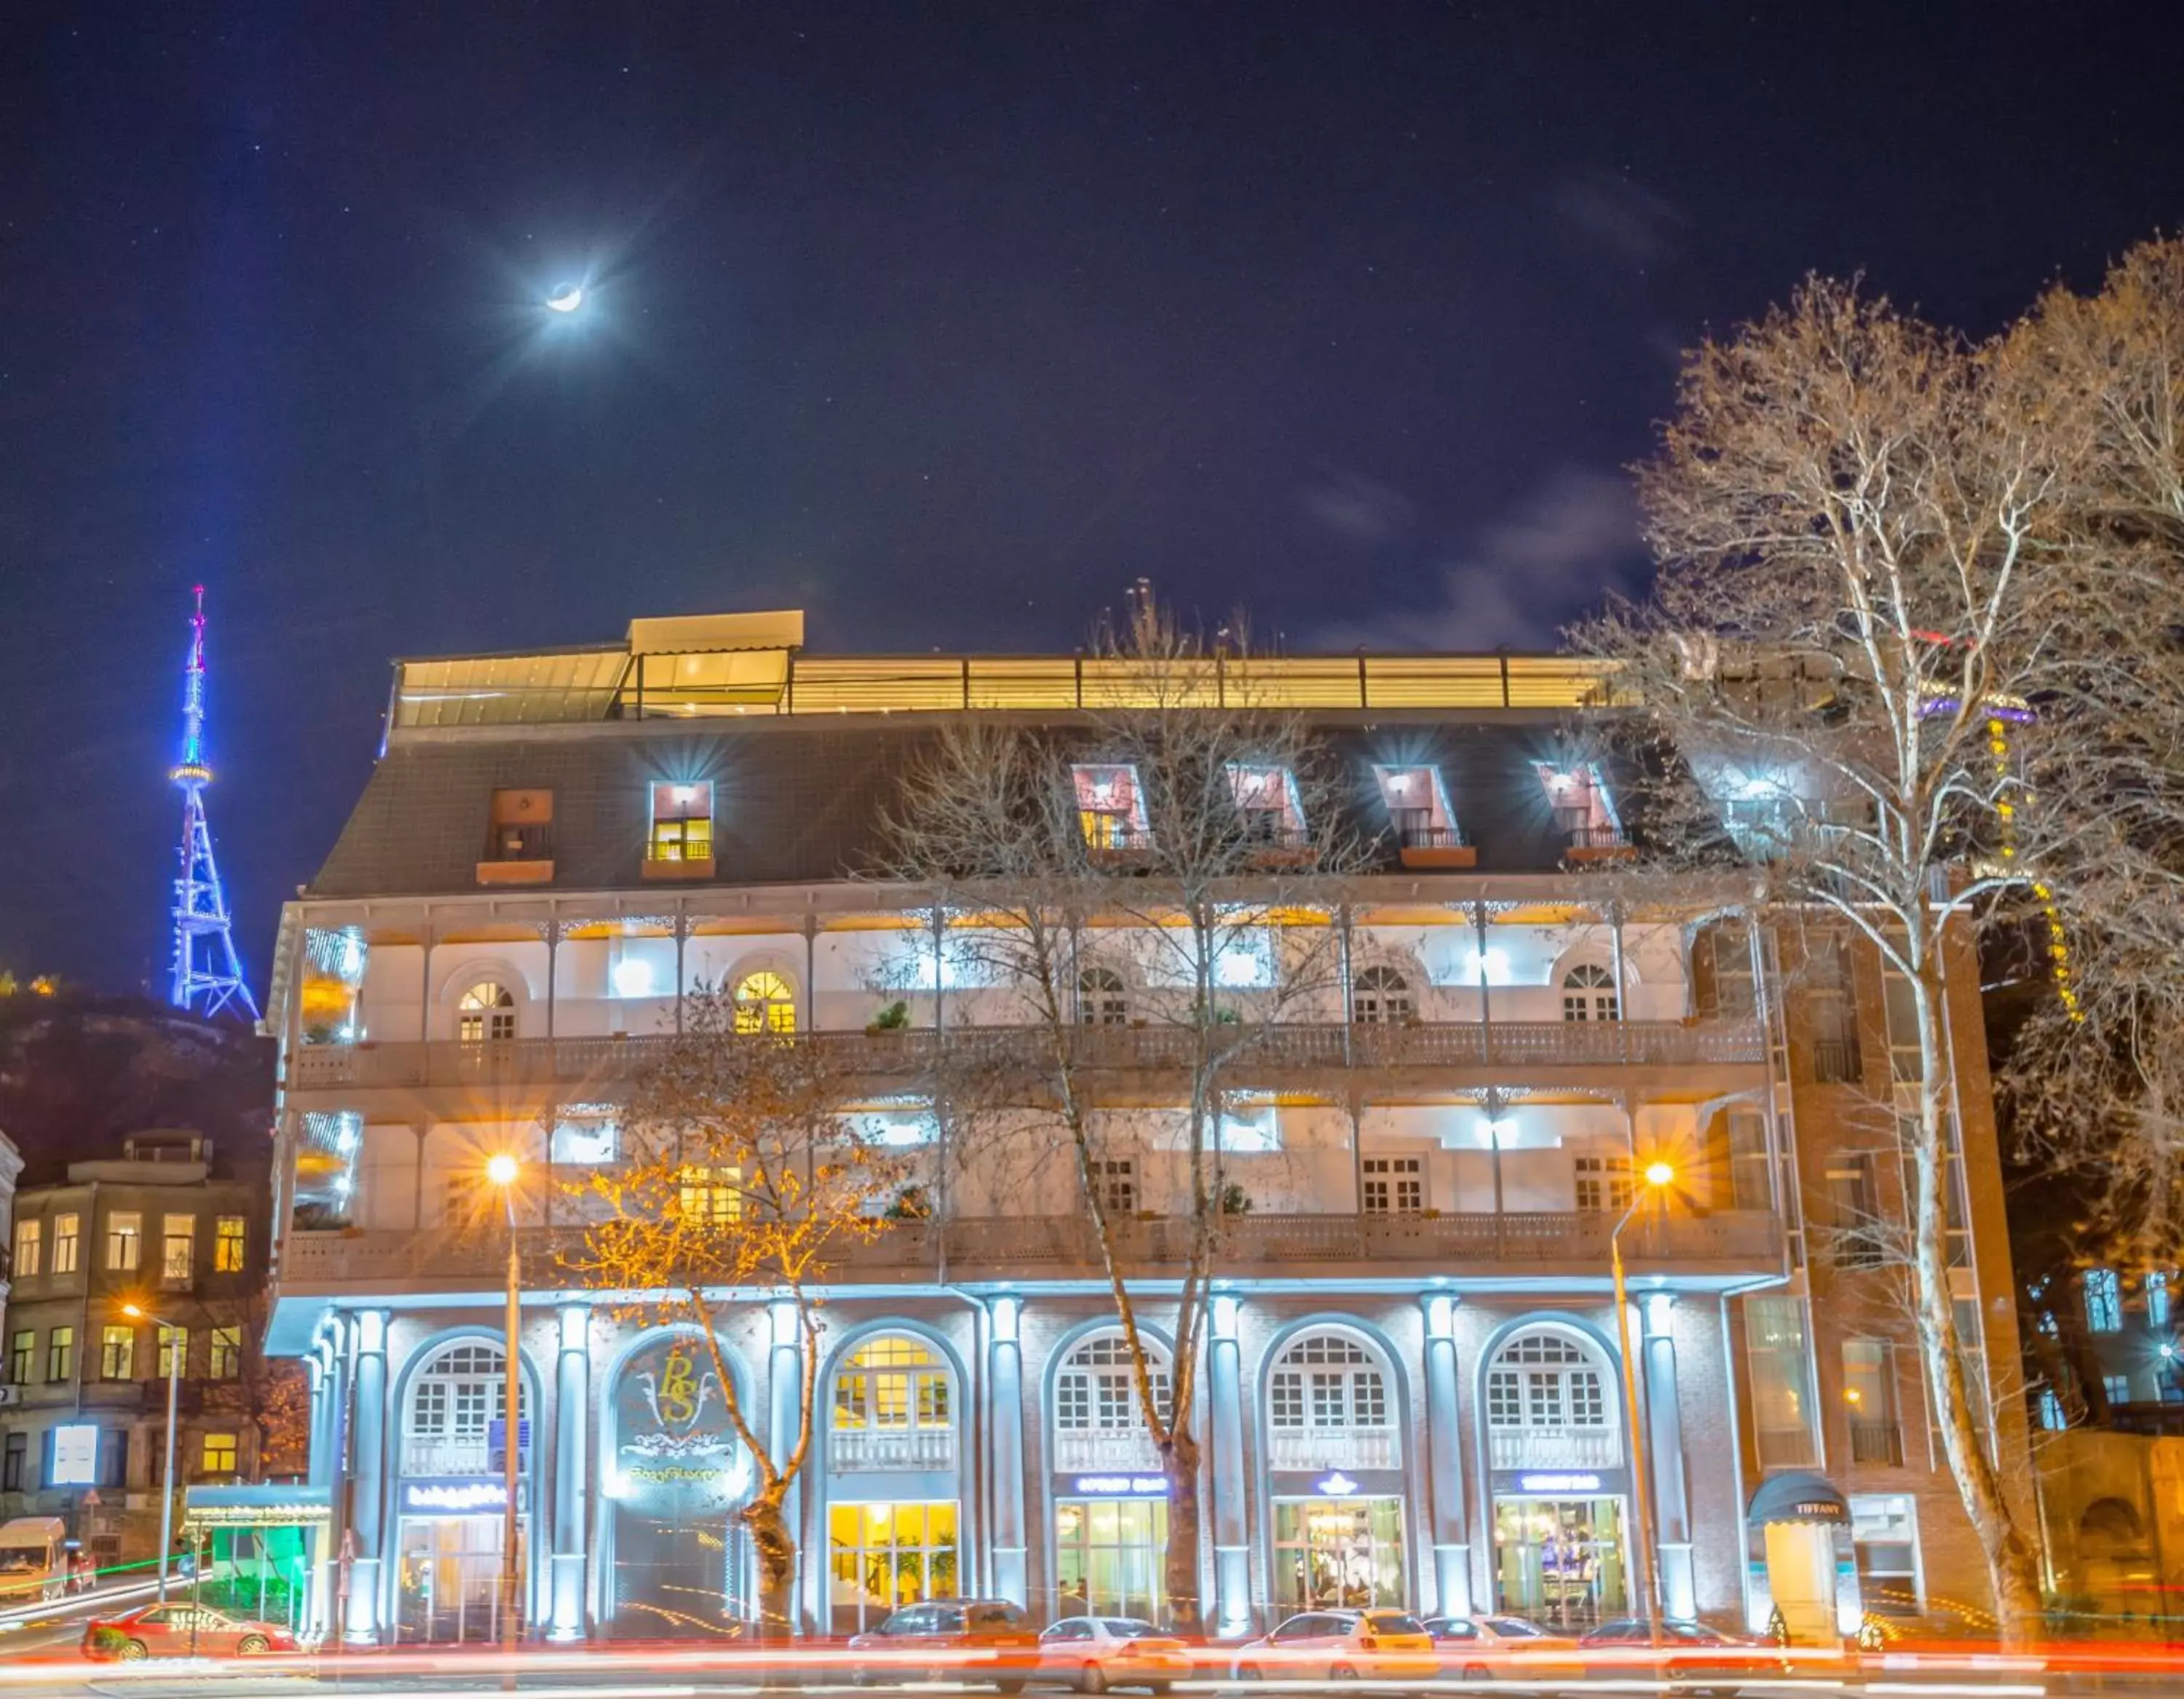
1602,1183
29,1247
174,1353
2156,1300
1268,805
2051,1411
764,1003
1417,808
1870,1390
1394,1185
178,1255
230,1239
892,1382
1584,813
226,1354
219,1455
124,1240
2103,1300
2117,1388
1110,807
710,1196
60,1354
485,1014
682,822
1381,997
22,1346
1589,994
117,1351
1102,999
1782,1404
65,1237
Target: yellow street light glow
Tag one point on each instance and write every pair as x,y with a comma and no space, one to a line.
1659,1174
134,1311
501,1169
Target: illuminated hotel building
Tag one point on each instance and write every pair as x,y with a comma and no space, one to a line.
1411,1391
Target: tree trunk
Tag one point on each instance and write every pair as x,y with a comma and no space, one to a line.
775,1551
1186,1611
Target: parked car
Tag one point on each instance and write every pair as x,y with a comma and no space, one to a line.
1693,1657
1095,1653
180,1630
1502,1649
951,1639
1342,1646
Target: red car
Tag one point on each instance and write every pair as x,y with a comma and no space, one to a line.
182,1630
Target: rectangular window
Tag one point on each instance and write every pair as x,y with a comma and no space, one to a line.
1118,1186
1899,1001
2117,1388
2051,1411
1394,1185
1884,1528
1111,808
2103,1300
1782,1403
1602,1184
230,1238
174,1353
1870,1392
1267,806
179,1250
522,827
30,1248
682,822
117,1351
113,1454
226,1353
22,1345
1856,1229
219,1455
124,1240
12,1458
65,1236
2156,1300
1748,1165
710,1196
60,1354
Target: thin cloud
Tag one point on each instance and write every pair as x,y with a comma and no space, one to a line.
1627,219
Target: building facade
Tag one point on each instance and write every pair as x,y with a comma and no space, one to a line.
83,1434
1412,1380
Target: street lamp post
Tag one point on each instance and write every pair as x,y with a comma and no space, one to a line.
137,1312
502,1170
1657,1177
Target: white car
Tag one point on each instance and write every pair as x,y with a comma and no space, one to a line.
1503,1649
1095,1653
1342,1646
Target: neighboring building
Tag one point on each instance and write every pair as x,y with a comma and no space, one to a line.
1413,1382
83,1432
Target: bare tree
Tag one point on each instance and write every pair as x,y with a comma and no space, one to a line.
742,1184
1860,577
1152,884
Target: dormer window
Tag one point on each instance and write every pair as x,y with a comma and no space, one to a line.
1425,829
1110,807
680,845
1584,813
1267,806
519,848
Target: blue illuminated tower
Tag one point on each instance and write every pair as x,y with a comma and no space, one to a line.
208,974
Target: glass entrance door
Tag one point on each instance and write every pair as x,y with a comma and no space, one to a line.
1560,1561
1331,1552
449,1585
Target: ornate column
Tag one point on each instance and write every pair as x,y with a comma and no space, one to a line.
1444,1458
369,1497
1232,1556
1664,1447
784,1369
571,1407
1005,1435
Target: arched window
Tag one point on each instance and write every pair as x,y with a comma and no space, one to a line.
1101,1000
1380,995
1547,1406
1327,1407
764,1003
1098,1419
487,1014
454,1402
895,1408
1589,994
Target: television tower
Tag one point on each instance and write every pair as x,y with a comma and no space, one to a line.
208,975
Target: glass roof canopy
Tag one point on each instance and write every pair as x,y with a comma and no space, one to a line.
573,686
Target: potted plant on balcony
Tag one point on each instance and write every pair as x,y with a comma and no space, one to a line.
893,1018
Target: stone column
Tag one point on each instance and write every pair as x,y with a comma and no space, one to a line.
1005,1435
784,1371
1444,1458
571,1409
1232,1556
369,1499
1664,1448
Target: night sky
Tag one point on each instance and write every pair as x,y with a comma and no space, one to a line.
942,322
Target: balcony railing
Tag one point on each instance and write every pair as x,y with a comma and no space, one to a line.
1332,1448
1430,837
891,1448
457,1456
1526,1045
1738,1239
1554,1448
1876,1442
1106,1450
1836,1062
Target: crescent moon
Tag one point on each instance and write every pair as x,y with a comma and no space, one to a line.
567,299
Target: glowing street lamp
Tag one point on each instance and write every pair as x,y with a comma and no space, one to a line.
502,1170
176,1337
1658,1177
